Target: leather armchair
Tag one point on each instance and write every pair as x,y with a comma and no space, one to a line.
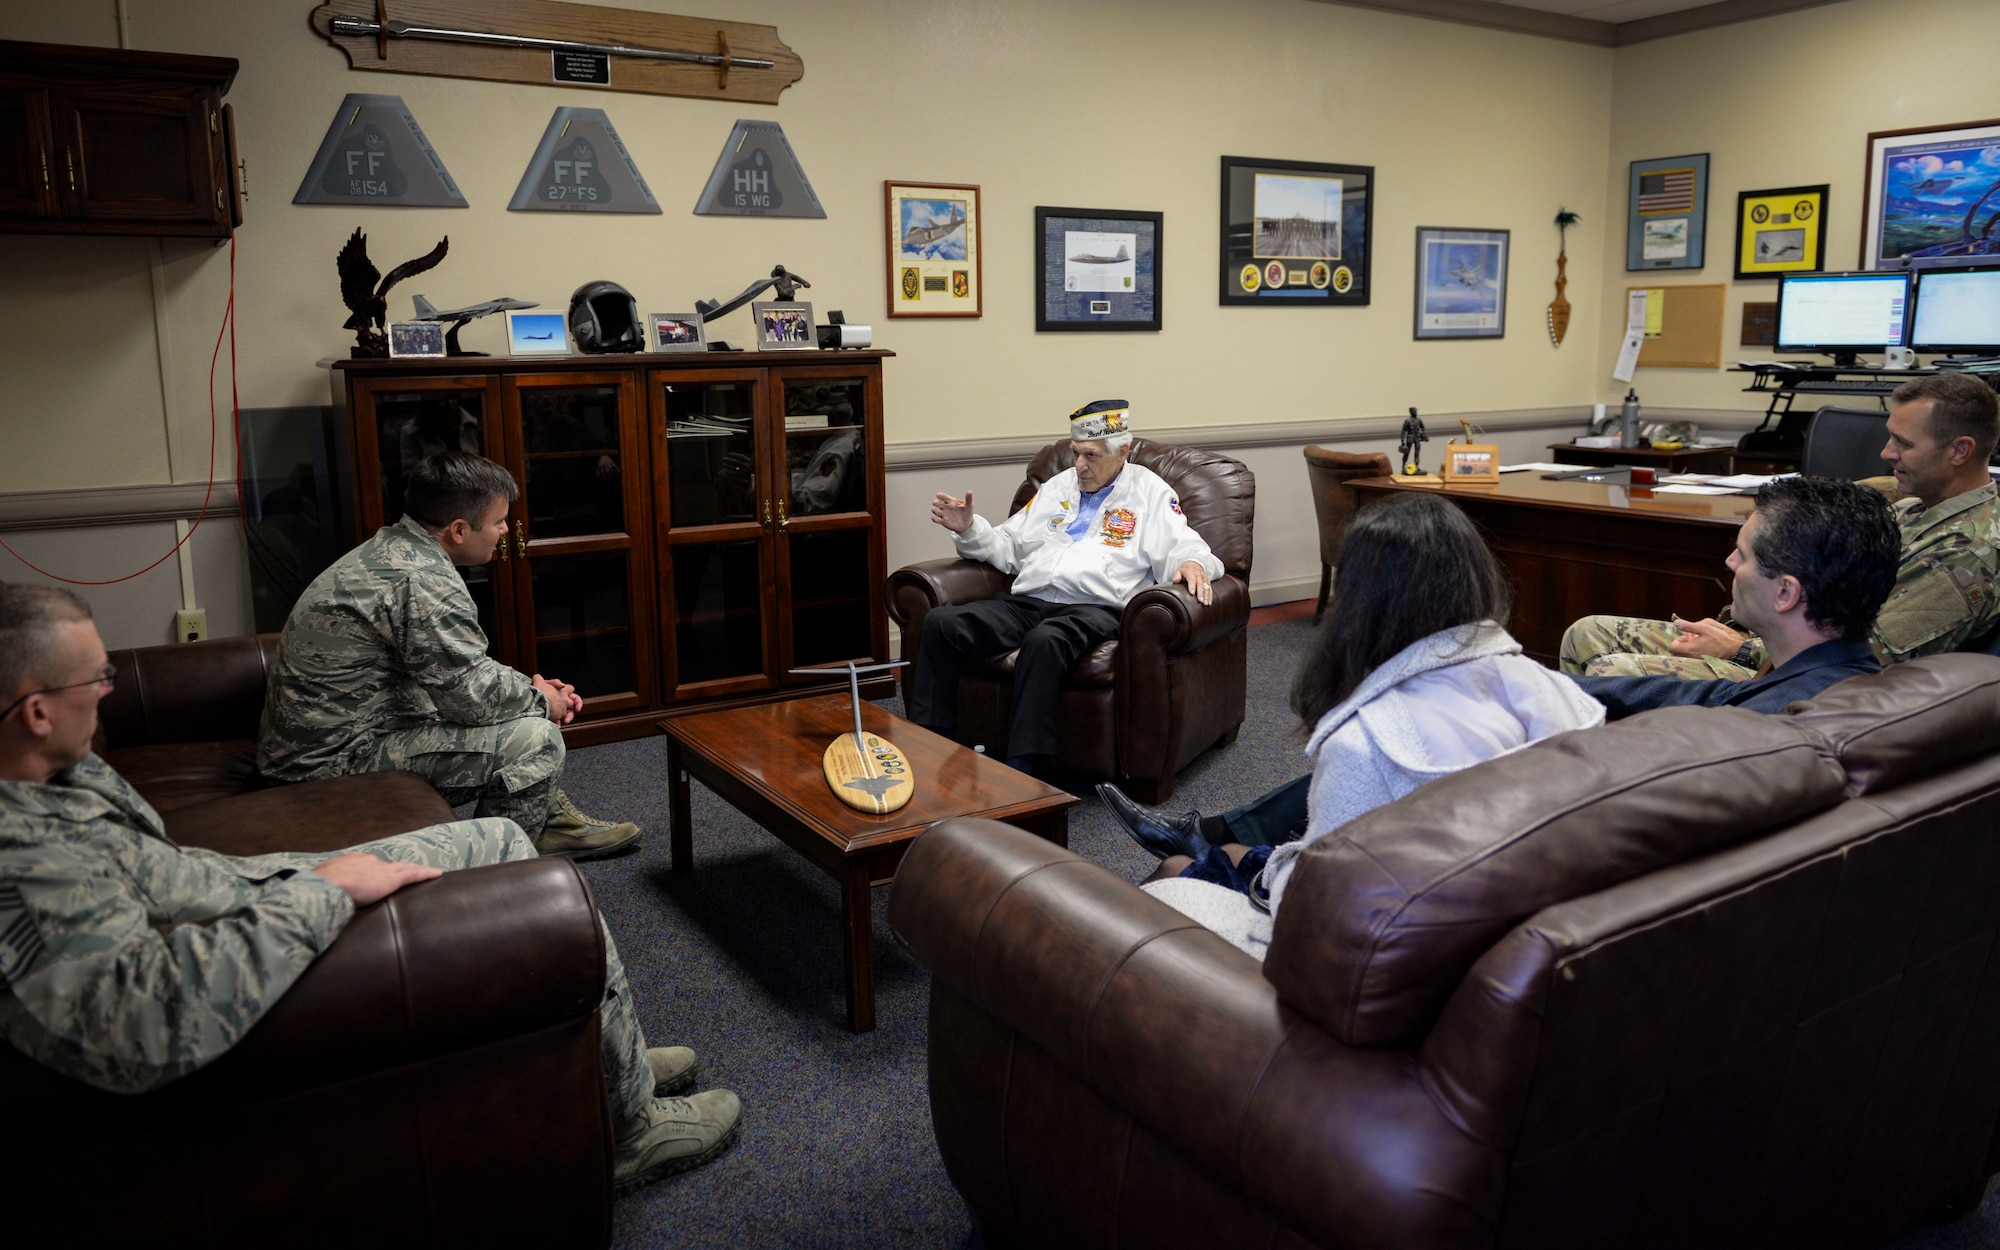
1173,683
1334,503
434,1078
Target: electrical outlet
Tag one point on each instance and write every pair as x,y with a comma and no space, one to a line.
191,626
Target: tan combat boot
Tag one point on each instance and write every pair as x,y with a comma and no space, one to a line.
672,1135
674,1069
572,835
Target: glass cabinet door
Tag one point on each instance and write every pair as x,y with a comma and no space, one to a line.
578,451
416,417
829,549
718,510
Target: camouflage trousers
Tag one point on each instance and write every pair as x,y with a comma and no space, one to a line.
1628,646
511,769
628,1079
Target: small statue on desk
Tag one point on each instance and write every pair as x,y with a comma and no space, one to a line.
1410,450
368,302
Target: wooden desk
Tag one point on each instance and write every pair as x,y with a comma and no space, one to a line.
764,760
1680,460
1577,548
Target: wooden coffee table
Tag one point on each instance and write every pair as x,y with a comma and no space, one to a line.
765,760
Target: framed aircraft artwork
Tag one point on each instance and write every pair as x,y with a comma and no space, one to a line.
1097,269
1930,191
934,259
1781,231
1461,283
1667,213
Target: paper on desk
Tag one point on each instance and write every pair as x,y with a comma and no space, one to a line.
1745,481
1538,467
1628,354
1689,479
1693,488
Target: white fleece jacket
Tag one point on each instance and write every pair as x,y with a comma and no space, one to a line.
1445,702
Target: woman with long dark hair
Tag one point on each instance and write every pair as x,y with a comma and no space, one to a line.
1410,677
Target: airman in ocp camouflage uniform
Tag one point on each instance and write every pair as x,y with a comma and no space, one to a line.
1942,430
382,666
128,961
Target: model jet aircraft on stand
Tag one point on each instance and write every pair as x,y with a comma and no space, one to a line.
458,317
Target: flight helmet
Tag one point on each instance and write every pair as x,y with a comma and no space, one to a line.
603,317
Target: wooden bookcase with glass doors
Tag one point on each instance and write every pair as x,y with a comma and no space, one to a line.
689,527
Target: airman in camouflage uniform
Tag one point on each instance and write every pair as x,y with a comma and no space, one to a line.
1941,431
128,961
382,666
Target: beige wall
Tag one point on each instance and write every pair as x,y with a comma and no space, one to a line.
1785,101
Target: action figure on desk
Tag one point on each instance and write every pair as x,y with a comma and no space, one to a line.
1410,450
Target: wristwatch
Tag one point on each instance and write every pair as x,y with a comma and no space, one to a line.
1746,655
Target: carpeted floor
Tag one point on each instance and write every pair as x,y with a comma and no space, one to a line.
740,959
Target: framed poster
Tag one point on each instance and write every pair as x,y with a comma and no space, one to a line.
1295,232
1667,214
1931,191
1097,269
1781,231
1461,283
936,266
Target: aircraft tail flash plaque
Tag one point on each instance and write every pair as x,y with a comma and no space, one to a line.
581,166
865,771
758,175
375,153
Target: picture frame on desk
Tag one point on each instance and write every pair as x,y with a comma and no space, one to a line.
1296,233
677,332
1921,187
416,338
1467,464
1780,231
936,266
1097,269
1667,213
1461,284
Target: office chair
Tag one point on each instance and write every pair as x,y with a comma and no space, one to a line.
1846,443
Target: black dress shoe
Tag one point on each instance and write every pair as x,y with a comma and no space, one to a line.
1162,835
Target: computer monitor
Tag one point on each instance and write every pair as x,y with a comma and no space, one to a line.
1956,311
1842,314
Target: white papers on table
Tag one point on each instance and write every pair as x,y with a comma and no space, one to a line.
1693,488
1538,467
1689,479
1749,481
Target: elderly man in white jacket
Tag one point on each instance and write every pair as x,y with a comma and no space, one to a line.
1092,537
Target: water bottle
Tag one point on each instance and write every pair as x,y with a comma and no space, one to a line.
1628,416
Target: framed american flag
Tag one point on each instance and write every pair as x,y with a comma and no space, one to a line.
1668,213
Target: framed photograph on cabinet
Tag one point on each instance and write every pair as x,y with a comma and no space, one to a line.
1461,283
537,333
677,332
416,338
936,266
784,326
1931,191
1781,231
1667,222
1295,232
1097,269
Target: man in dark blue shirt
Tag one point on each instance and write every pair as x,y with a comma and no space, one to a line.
1813,565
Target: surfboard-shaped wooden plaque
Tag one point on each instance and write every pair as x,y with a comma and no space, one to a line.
878,784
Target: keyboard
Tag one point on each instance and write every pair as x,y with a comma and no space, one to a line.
1846,386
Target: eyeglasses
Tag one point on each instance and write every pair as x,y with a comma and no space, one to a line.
109,679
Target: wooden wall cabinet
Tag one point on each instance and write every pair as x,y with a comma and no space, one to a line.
689,527
100,141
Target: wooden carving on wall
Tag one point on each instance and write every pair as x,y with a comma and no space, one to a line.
558,44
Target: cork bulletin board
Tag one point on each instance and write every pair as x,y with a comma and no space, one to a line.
1684,327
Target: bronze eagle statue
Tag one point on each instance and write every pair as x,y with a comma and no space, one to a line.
369,302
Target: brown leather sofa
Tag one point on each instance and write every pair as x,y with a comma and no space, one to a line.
433,1079
1139,708
1699,978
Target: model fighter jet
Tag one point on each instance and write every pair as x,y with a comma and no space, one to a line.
426,311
